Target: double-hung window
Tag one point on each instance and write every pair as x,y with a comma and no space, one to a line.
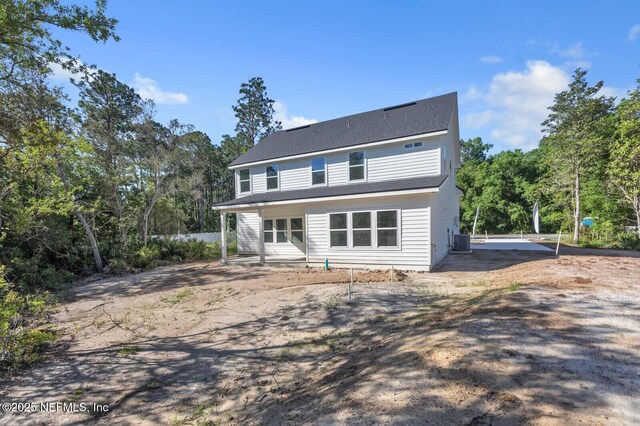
387,226
268,230
356,165
281,230
272,177
338,230
245,180
318,171
361,229
296,231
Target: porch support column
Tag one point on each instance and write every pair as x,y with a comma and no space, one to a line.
223,236
261,232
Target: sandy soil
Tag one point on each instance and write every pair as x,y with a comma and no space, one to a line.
489,338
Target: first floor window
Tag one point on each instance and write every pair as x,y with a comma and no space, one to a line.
338,230
245,180
272,177
361,229
296,231
281,230
356,165
268,231
387,226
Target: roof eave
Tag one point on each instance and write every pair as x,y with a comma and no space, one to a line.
251,206
437,133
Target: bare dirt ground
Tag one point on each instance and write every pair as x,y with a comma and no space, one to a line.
489,338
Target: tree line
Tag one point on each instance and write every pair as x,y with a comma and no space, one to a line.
587,164
87,183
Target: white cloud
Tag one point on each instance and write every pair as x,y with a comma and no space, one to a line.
58,73
472,94
634,32
282,115
148,89
576,55
490,59
477,120
516,102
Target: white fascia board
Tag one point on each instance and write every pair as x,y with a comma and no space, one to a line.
334,198
342,149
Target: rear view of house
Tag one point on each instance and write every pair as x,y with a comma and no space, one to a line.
373,189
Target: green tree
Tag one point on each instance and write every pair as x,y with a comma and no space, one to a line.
110,110
574,144
28,35
624,167
254,112
474,150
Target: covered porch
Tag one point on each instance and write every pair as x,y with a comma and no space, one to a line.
274,235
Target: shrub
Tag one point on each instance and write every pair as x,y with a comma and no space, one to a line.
145,257
24,329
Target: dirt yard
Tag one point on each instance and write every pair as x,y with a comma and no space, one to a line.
489,338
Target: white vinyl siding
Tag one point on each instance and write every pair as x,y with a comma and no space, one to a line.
382,163
248,227
395,162
414,241
294,175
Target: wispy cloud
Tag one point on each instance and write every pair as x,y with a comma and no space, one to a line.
576,55
490,59
634,33
149,89
515,103
282,115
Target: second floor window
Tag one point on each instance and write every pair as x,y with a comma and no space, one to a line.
356,165
317,171
245,180
272,177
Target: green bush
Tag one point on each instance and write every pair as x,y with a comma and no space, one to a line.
628,241
145,257
24,329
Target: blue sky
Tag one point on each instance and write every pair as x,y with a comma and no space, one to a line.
322,60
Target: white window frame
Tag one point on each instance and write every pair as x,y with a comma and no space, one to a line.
413,145
274,231
363,165
374,230
326,175
277,231
240,180
270,231
386,228
301,230
370,228
267,177
329,229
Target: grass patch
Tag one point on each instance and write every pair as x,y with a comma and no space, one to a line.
178,296
128,350
514,287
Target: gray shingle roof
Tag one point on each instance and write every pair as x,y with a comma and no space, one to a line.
333,191
415,118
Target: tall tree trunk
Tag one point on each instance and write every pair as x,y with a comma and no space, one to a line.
92,240
576,213
636,206
85,225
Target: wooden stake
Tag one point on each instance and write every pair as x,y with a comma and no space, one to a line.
558,246
391,273
350,283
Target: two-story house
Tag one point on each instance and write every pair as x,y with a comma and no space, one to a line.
376,189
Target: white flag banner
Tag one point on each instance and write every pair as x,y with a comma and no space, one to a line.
536,217
473,232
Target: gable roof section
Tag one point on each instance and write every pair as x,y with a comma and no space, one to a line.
414,118
426,182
